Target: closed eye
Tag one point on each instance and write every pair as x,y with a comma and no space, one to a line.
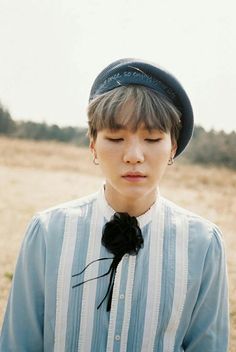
152,140
114,139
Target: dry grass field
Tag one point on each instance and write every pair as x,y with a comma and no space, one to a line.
38,175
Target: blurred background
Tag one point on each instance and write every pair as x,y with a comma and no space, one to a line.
50,53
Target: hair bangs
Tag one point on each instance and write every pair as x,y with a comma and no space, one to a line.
132,107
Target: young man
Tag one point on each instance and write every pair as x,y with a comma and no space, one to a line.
123,269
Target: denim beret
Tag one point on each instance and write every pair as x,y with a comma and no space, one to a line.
126,72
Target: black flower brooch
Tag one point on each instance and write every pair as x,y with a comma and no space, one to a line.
120,235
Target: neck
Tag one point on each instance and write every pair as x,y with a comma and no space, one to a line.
133,206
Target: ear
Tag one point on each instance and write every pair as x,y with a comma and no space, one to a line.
173,149
92,145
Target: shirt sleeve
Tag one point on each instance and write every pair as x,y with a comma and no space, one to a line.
209,327
23,322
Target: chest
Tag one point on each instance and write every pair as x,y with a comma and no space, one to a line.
149,294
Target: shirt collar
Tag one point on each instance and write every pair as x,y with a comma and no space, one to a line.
108,211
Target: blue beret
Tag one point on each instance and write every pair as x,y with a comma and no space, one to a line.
138,72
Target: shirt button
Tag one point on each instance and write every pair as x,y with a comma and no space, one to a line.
122,296
126,255
117,337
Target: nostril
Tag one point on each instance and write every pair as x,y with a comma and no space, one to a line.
133,159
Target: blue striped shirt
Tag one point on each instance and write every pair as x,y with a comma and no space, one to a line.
171,297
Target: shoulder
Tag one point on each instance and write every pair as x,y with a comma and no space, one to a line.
51,221
76,204
201,231
73,204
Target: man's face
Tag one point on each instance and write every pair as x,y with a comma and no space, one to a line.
133,163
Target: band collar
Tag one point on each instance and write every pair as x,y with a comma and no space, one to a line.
108,211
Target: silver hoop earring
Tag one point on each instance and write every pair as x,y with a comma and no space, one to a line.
171,161
95,160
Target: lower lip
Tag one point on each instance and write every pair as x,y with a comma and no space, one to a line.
134,178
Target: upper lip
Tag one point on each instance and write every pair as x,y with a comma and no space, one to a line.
134,173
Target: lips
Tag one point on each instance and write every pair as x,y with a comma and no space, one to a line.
134,176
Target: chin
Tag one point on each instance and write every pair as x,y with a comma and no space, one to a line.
136,193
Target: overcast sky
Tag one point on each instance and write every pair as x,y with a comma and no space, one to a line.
50,52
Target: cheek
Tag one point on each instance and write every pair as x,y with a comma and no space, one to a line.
106,154
164,150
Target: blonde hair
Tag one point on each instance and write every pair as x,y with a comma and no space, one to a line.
132,106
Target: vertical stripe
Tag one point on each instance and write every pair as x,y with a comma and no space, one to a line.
63,284
90,288
154,278
45,217
128,300
180,289
113,312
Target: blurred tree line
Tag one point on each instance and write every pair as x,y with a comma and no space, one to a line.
209,148
214,148
40,131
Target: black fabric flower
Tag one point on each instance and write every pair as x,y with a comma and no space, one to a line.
120,235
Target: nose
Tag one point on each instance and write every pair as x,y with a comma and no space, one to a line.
133,152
